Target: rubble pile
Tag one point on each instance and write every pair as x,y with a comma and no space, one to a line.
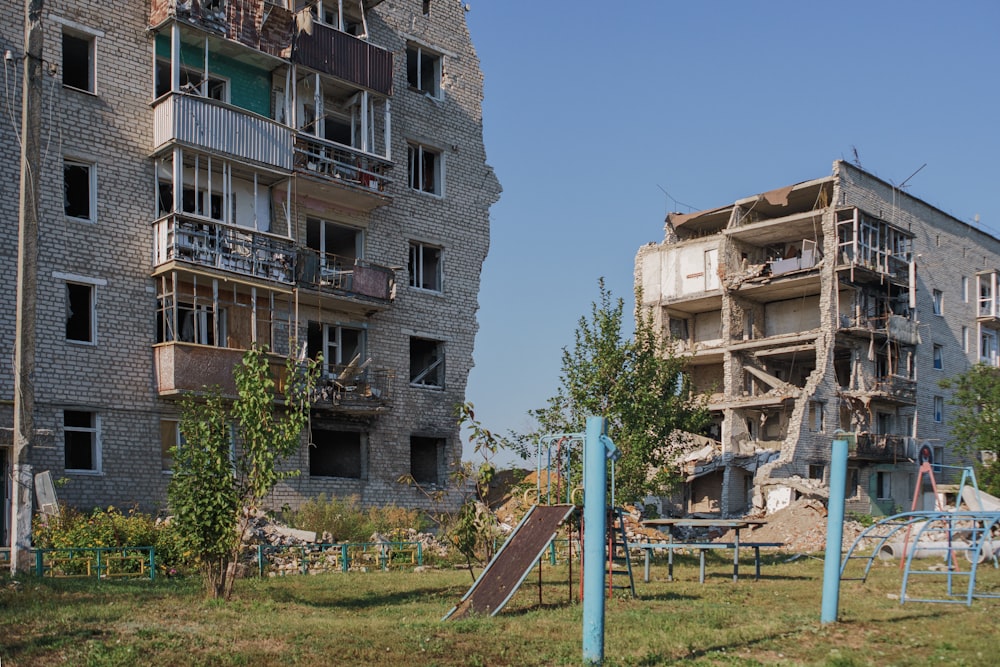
319,553
801,527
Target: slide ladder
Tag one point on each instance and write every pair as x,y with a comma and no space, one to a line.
619,559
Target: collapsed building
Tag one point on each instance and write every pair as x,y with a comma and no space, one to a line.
828,308
309,176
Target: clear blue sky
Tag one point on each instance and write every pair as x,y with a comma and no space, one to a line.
594,109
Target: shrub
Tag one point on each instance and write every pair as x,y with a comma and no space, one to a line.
346,521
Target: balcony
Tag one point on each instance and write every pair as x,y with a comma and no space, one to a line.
330,51
355,389
880,447
362,177
897,327
187,367
218,128
210,244
870,249
889,388
345,276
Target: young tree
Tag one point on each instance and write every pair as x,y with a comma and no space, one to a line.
229,459
975,426
638,385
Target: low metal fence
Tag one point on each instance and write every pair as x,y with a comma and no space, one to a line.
316,558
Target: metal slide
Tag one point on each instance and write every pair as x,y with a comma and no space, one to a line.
512,564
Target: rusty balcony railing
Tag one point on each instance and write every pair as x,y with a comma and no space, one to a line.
212,244
369,390
343,164
348,276
882,447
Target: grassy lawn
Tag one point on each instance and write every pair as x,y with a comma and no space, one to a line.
395,619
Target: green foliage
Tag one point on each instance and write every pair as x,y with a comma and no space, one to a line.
975,424
346,521
637,385
217,482
72,529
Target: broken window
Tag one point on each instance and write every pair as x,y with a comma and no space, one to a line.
80,312
678,328
81,441
196,323
939,409
423,70
852,488
170,437
339,345
425,266
816,471
191,81
883,485
426,459
78,60
815,416
424,169
426,362
938,357
988,346
80,190
335,453
338,247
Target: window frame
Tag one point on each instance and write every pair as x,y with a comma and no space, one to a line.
91,167
92,315
95,442
90,40
422,62
174,423
435,368
204,89
416,178
883,485
426,443
937,357
937,302
939,409
417,267
334,433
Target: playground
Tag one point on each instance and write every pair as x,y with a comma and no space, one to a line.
394,618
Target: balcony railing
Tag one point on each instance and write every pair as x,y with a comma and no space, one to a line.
897,387
327,272
219,128
900,328
369,390
330,51
212,244
342,164
881,447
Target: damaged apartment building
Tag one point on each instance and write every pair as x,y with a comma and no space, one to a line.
829,307
309,176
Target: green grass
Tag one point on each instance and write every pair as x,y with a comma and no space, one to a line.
394,618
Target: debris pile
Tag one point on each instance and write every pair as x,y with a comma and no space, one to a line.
801,527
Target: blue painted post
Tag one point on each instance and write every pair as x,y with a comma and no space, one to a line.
595,512
834,531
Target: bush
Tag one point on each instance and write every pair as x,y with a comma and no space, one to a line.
73,529
346,521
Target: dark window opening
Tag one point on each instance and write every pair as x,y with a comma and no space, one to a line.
425,459
77,190
426,362
423,70
77,62
80,312
424,168
335,454
425,267
816,470
80,436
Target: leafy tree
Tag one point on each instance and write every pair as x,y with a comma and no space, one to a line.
975,426
229,458
638,385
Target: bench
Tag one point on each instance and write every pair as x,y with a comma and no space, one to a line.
702,548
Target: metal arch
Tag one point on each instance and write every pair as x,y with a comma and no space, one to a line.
980,529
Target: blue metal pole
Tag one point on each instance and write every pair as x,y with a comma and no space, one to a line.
834,531
595,511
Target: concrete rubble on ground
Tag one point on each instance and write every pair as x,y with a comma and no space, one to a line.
322,552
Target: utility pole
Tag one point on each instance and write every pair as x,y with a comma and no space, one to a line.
27,284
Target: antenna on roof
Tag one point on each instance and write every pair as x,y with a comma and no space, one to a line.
857,158
903,184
